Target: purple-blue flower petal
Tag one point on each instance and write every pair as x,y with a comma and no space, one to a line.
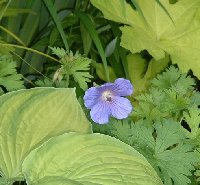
121,107
100,112
91,97
122,87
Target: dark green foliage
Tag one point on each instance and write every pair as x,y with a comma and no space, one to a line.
9,78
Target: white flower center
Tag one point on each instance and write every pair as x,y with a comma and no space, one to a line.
107,96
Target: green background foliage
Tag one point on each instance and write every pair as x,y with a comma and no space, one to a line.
68,46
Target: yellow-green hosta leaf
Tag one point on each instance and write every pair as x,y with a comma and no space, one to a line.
57,181
30,117
87,159
180,38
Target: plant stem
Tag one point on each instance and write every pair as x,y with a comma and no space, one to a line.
29,49
67,80
2,13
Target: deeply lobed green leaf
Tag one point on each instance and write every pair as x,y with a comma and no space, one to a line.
9,78
157,33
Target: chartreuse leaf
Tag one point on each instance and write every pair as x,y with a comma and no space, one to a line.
30,117
163,7
155,67
136,69
179,38
121,11
101,72
141,72
57,181
88,159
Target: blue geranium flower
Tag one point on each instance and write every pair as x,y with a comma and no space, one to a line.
105,101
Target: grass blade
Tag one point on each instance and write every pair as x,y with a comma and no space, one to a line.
4,10
28,49
52,10
89,25
12,35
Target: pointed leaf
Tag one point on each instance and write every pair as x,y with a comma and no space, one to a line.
111,47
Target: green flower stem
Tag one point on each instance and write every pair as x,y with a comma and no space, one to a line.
67,80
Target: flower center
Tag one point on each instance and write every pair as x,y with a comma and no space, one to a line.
107,96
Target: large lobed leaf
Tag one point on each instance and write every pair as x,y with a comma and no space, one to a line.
30,117
90,159
159,34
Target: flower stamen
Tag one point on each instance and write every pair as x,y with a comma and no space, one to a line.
107,96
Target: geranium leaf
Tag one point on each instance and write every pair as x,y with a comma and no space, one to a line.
9,78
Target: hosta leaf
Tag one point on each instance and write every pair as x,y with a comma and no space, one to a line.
30,117
89,159
57,181
160,35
